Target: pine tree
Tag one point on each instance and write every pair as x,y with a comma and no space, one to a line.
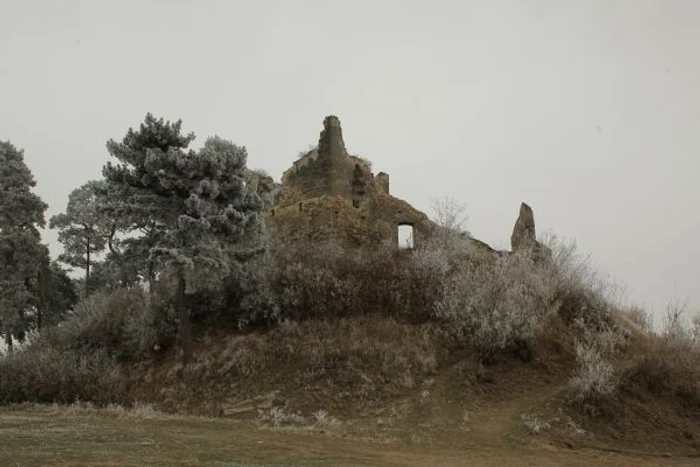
56,293
128,190
199,201
21,251
129,241
83,229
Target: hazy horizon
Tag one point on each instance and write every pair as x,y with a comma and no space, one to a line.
587,111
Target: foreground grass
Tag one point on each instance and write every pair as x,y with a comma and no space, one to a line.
50,435
65,436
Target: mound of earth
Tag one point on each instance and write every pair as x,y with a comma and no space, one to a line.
382,380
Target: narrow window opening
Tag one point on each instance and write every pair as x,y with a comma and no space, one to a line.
405,233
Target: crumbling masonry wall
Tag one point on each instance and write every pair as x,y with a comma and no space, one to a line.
328,193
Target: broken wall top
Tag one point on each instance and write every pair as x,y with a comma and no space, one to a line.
328,170
328,192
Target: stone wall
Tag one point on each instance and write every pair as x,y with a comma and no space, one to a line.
381,182
333,217
329,193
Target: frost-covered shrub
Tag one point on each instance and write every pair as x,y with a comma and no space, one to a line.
595,375
324,421
641,318
534,424
278,417
497,305
431,262
679,330
579,290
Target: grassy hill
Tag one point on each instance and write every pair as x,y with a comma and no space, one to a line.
444,347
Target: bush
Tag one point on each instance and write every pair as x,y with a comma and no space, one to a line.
298,282
497,305
668,365
126,324
640,318
79,359
42,372
595,375
493,301
579,291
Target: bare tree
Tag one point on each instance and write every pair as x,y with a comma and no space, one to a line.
450,214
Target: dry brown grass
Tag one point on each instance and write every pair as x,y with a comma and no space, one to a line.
667,368
43,436
332,363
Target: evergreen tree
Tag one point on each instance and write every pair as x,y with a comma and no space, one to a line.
56,294
130,240
21,251
129,195
83,229
199,202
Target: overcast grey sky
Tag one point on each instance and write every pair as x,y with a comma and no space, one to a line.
587,110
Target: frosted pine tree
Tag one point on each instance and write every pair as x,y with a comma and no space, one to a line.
200,201
134,200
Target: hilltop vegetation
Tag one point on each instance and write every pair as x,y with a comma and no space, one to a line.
197,307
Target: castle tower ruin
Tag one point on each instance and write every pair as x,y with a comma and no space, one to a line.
328,193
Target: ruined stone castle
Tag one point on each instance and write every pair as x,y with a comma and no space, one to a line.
330,194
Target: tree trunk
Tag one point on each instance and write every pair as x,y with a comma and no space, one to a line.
10,343
43,283
151,278
184,331
151,265
117,254
87,269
